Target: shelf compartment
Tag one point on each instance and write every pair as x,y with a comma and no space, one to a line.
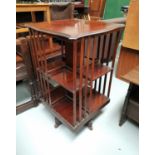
99,70
57,94
97,101
64,77
64,108
53,66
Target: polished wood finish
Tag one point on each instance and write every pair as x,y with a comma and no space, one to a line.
99,70
65,78
128,61
75,28
96,7
92,46
132,76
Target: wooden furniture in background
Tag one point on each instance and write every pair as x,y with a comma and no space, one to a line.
96,8
120,20
52,11
131,105
131,33
21,73
128,64
23,48
32,8
90,46
128,60
64,11
43,7
129,55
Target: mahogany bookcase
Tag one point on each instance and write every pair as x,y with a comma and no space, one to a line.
83,72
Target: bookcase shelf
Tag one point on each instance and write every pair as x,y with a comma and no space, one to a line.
97,101
64,77
63,105
99,70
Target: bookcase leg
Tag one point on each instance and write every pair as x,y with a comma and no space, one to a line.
123,114
122,119
57,123
90,125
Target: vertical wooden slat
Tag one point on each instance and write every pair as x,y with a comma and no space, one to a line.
37,61
40,62
74,79
95,51
101,48
91,66
105,52
84,62
81,78
44,59
43,65
32,50
115,38
43,53
86,72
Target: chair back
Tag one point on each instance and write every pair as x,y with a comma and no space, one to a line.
96,7
62,11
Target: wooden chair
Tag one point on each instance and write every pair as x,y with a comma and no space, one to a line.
96,9
62,11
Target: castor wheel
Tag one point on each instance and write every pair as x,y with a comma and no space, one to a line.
57,123
90,125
